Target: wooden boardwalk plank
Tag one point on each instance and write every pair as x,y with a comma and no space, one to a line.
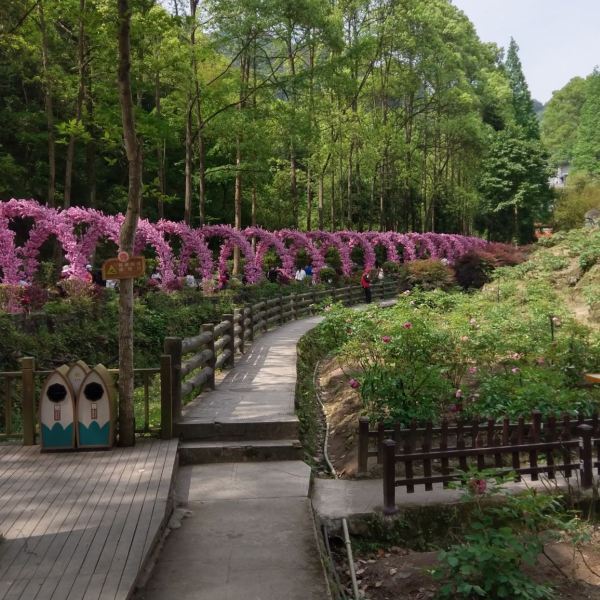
135,555
79,525
118,564
95,565
76,547
161,503
24,516
60,522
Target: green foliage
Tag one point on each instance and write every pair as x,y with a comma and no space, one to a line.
502,538
561,119
581,194
430,274
491,353
514,186
587,147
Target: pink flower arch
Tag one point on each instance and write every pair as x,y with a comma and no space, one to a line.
299,240
231,238
329,240
354,239
267,239
192,244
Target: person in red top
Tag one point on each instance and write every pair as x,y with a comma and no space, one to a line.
365,281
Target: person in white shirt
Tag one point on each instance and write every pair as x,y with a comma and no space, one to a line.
300,274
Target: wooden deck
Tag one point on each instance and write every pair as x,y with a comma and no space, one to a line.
80,525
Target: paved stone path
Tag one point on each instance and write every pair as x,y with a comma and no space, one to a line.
250,533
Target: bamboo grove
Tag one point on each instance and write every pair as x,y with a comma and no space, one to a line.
338,114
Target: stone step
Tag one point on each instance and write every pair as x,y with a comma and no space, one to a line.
196,452
282,428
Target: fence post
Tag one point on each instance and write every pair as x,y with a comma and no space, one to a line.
231,347
27,379
389,477
172,347
251,317
166,402
363,445
380,438
587,459
209,327
281,310
240,311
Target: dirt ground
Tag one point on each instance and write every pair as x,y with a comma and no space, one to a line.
400,574
342,408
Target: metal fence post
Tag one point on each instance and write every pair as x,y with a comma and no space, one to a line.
172,347
363,445
209,328
166,401
27,379
231,345
587,459
389,477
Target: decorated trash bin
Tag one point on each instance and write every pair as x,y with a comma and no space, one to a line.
57,412
95,410
76,375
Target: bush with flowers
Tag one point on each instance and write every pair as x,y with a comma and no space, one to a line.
506,350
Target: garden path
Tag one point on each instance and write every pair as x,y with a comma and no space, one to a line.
249,532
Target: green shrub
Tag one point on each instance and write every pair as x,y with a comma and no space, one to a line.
430,274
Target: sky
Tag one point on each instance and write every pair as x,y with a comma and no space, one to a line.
558,39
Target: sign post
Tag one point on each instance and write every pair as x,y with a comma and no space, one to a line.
129,268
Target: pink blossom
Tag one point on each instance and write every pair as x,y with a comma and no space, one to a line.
458,394
386,339
354,383
454,408
407,325
472,370
540,360
478,486
515,370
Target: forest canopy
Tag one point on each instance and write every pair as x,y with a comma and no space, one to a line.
345,114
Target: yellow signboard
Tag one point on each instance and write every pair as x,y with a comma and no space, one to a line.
134,266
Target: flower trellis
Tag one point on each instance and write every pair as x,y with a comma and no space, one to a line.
80,230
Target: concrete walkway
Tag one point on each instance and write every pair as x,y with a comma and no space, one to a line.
250,533
249,536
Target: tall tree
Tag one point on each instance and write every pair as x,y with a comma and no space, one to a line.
133,150
586,153
521,97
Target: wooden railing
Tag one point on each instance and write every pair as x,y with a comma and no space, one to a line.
187,365
20,390
195,359
440,454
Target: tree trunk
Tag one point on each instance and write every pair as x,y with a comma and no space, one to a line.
199,121
187,201
309,200
48,101
237,201
128,229
79,106
160,154
320,200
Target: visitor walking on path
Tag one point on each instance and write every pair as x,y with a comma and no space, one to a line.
365,282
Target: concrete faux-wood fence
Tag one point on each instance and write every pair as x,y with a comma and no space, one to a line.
428,454
187,365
